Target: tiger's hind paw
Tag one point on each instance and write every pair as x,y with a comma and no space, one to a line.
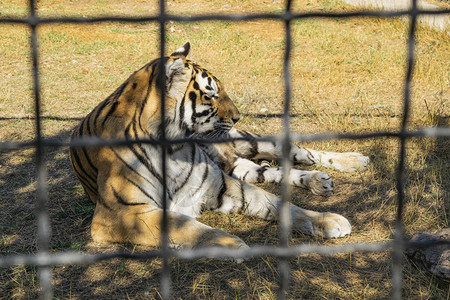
330,226
220,238
346,162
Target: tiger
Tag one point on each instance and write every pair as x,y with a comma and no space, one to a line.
126,182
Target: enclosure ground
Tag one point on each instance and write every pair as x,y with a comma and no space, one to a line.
347,76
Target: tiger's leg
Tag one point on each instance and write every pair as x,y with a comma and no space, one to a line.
345,162
141,224
242,197
318,182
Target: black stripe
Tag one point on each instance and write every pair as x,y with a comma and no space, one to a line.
193,104
261,177
192,96
88,159
222,191
82,169
136,136
111,110
205,175
242,209
232,170
245,175
309,155
142,190
103,203
131,168
100,109
122,201
150,64
94,168
144,160
88,125
213,114
77,163
84,183
80,127
159,132
119,91
190,171
203,113
302,182
182,112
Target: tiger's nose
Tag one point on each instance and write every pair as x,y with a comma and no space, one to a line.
235,119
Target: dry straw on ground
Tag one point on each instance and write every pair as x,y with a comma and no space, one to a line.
347,77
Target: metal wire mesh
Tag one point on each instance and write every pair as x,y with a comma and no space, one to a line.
44,260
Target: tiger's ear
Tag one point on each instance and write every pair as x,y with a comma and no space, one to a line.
183,51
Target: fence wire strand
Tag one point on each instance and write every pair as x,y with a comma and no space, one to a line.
165,275
44,260
41,210
285,215
398,234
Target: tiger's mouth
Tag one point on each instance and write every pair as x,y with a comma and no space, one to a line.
216,134
225,127
220,130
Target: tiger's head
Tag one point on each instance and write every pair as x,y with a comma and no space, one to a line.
202,106
196,102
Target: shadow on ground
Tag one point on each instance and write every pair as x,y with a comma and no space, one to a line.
367,202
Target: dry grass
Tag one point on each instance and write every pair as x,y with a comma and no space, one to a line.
347,77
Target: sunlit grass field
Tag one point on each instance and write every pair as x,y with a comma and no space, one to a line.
347,77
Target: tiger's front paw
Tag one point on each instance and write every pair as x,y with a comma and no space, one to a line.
346,162
321,184
318,182
330,226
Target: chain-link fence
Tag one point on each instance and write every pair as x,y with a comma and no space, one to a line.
44,260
